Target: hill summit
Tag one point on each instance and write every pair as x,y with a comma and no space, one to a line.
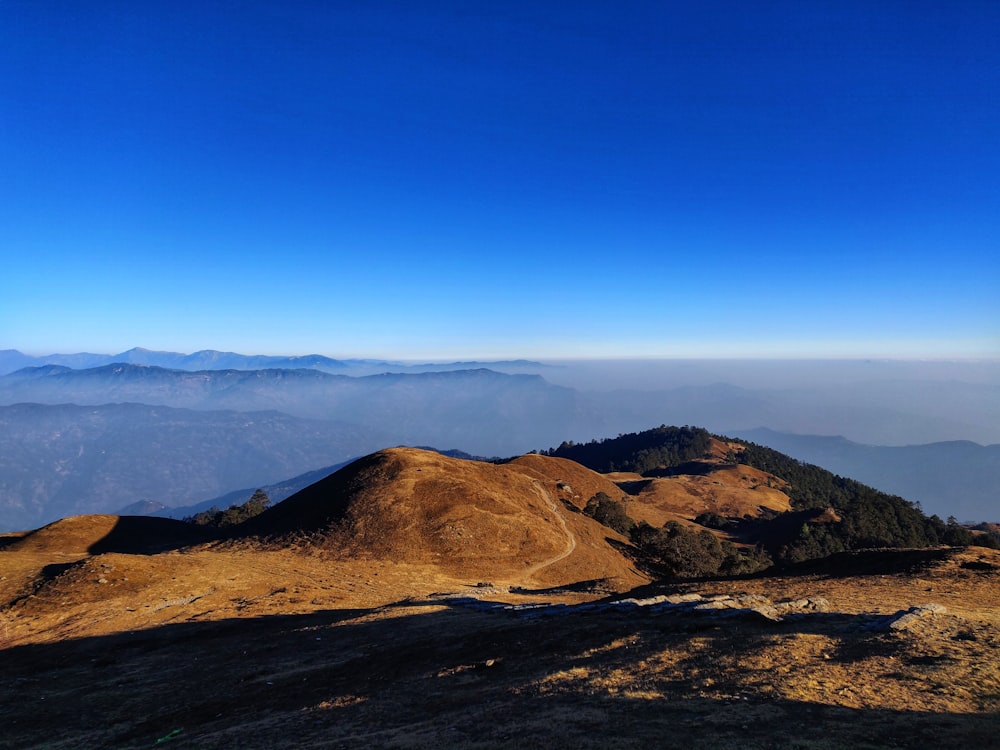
513,521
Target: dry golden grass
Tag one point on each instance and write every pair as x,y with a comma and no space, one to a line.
252,645
729,491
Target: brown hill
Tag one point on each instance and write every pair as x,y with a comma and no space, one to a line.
413,516
711,484
514,523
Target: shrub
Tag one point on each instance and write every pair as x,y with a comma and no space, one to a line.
684,553
610,513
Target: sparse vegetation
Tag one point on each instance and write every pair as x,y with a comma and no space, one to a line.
675,551
680,552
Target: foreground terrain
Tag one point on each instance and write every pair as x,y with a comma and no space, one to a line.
473,606
259,650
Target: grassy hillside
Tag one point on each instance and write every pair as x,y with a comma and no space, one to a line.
830,513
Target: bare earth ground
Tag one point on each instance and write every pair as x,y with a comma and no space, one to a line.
235,646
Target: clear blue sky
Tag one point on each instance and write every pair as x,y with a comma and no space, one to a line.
466,179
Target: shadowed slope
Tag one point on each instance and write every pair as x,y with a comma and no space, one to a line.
437,673
105,533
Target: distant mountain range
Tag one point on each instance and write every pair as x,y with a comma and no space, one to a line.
62,460
874,413
480,411
97,439
210,359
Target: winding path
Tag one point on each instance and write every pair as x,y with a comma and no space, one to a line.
570,537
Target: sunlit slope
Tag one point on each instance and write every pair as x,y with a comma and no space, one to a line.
725,490
513,522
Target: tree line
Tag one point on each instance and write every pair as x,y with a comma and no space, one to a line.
830,513
868,517
639,452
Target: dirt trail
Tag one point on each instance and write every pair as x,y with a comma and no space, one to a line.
570,537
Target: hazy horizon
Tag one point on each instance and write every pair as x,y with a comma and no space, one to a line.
473,355
912,427
870,401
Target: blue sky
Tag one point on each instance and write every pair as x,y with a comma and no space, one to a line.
463,179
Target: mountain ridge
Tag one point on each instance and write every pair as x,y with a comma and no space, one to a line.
435,408
212,359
